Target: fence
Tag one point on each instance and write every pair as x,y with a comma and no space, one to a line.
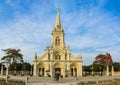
22,73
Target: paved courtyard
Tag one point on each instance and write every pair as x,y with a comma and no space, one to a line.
50,81
63,81
68,81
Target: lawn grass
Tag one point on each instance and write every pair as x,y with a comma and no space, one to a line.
11,82
109,82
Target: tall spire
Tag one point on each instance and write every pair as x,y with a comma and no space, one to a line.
35,57
58,22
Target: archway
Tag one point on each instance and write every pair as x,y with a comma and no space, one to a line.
41,69
57,68
73,69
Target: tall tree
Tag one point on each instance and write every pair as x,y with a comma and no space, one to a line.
116,66
103,59
12,55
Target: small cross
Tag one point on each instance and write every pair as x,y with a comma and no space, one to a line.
58,9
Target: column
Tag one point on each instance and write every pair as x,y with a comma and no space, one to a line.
35,69
92,73
78,70
7,72
45,73
107,72
51,55
63,70
51,69
112,70
22,71
73,72
2,70
68,68
81,69
31,72
15,70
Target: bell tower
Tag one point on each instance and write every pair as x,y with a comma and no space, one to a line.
58,33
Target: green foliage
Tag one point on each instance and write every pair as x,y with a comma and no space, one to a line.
15,81
11,82
1,79
12,55
22,74
116,66
91,82
48,75
0,66
16,66
81,83
66,75
98,67
20,66
27,66
87,68
87,83
94,67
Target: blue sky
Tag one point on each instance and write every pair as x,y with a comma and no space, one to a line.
93,24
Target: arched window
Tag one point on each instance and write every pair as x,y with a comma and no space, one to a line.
57,41
57,56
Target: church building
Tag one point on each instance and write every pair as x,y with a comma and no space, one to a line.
57,57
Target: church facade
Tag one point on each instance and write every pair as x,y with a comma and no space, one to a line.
57,57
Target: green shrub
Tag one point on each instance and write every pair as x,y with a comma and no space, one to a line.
11,82
81,83
48,75
22,74
91,82
66,75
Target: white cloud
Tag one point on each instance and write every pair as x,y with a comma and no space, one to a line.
86,30
99,29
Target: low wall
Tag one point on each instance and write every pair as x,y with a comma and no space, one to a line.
117,73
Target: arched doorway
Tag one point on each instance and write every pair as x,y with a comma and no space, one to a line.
73,69
57,68
41,69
